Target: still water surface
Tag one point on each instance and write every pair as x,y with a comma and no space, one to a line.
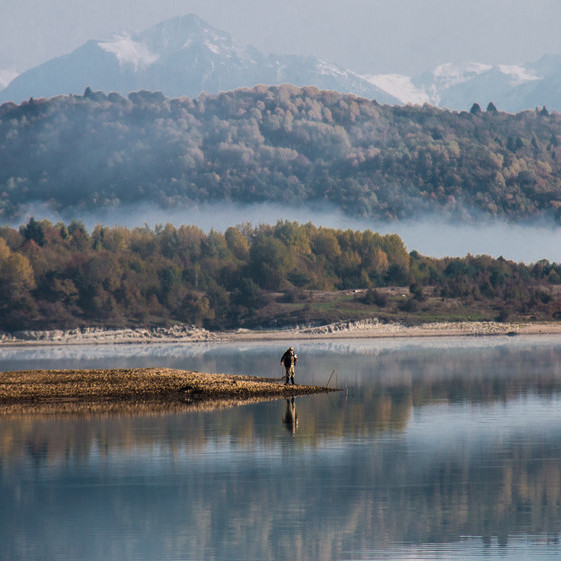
436,449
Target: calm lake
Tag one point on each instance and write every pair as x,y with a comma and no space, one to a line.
445,449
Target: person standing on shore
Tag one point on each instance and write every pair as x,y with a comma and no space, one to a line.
289,359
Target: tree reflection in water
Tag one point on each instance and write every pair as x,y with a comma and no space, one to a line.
451,451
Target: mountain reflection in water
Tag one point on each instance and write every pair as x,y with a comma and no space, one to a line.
436,449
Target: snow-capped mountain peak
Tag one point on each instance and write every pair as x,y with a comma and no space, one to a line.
183,56
428,87
185,32
457,86
173,34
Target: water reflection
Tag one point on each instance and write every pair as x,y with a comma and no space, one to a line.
258,498
432,451
290,417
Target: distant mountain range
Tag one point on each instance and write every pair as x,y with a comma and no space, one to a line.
185,56
512,88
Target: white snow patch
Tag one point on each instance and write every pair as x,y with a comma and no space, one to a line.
517,74
212,47
129,51
329,69
450,74
223,47
6,76
399,86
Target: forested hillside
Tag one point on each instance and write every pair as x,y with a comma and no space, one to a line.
280,144
57,275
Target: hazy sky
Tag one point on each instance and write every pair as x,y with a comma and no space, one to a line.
368,36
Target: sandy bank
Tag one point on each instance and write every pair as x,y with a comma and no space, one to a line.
138,390
370,328
376,329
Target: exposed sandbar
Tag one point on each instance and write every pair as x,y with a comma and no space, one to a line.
137,389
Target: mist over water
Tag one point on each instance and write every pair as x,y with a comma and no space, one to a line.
432,235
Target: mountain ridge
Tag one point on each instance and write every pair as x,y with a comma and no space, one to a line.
512,88
278,144
183,56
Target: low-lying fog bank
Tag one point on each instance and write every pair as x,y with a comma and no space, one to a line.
434,236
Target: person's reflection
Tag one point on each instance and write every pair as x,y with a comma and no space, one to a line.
290,418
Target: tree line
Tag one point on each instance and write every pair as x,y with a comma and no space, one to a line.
61,275
281,144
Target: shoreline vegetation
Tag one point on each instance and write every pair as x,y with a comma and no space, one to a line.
60,277
136,390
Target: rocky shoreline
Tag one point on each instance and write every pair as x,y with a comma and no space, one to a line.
370,328
86,335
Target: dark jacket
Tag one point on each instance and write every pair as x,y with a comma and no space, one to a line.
289,358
